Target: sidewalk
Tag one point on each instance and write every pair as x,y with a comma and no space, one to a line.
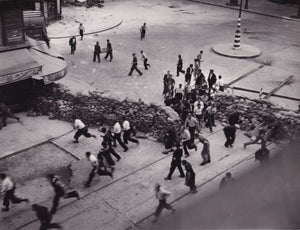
262,7
127,199
31,131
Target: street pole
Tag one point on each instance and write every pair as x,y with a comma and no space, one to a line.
246,5
238,33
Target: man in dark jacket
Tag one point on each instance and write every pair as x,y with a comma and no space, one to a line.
97,51
211,79
169,139
109,51
60,191
105,152
72,43
190,176
44,217
108,138
134,66
188,73
229,132
176,162
179,65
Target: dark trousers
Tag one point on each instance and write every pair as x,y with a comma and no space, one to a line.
134,67
210,121
113,152
108,158
55,201
84,132
188,78
205,154
96,55
229,139
117,137
109,54
73,48
104,172
179,70
91,176
199,118
10,196
188,145
146,63
175,165
190,180
192,132
127,137
162,204
143,33
81,34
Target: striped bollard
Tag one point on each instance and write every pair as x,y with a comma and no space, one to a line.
237,36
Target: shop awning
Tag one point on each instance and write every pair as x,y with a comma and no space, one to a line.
53,68
17,65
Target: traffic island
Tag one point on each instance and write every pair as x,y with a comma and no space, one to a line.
245,51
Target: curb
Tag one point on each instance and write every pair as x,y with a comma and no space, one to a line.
248,11
95,32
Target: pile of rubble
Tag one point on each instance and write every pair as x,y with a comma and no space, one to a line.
86,3
153,120
96,110
254,111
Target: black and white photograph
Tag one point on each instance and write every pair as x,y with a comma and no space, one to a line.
149,114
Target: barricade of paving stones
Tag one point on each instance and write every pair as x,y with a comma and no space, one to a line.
95,110
253,110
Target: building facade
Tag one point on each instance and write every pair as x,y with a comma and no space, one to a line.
25,60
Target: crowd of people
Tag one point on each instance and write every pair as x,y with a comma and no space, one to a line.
194,103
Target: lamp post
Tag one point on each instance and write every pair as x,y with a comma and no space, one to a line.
238,33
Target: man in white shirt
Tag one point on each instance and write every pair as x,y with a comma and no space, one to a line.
127,131
95,166
161,194
81,130
198,110
186,141
192,124
117,136
8,191
220,84
81,30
